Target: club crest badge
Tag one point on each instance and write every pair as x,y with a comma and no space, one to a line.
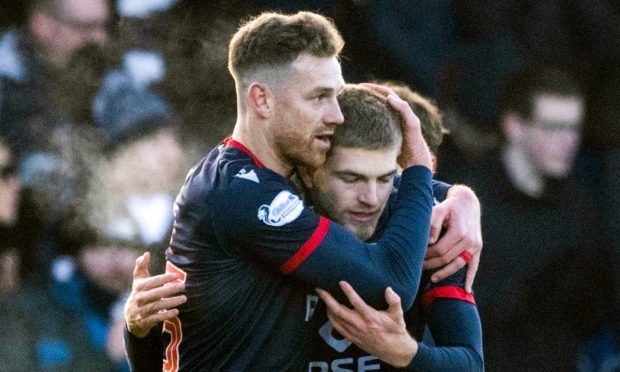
284,208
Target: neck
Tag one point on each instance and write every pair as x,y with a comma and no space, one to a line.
522,174
253,134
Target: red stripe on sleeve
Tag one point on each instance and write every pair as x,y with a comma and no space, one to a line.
453,292
309,246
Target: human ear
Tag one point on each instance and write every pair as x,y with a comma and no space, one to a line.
258,98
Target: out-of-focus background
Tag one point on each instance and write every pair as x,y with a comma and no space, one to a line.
105,104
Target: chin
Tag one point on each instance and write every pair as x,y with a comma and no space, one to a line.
362,233
314,160
558,172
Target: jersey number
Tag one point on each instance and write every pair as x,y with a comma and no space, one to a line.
173,328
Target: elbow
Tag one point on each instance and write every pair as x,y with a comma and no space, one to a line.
477,361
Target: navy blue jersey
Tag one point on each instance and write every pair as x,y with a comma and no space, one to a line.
250,253
445,307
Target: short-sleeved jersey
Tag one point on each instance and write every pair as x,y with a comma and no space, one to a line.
250,251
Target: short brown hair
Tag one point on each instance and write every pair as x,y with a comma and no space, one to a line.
369,121
273,39
431,118
519,90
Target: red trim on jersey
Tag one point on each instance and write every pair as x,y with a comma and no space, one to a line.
309,246
453,292
232,143
180,273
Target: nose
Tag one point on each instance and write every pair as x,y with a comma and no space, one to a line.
334,114
368,194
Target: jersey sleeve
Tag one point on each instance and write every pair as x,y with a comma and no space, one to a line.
272,225
440,188
455,326
144,354
454,322
440,192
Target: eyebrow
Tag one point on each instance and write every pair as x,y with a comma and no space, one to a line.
356,174
321,90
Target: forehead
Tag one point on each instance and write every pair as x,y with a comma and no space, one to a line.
550,108
85,11
312,73
368,163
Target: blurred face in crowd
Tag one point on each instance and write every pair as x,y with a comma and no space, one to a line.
73,25
9,187
352,187
109,266
306,111
151,164
550,138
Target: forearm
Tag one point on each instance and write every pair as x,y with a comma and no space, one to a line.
395,261
455,326
456,358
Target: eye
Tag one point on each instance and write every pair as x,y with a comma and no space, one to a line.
321,97
386,179
348,179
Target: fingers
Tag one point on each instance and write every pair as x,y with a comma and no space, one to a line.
340,313
354,298
156,292
438,217
141,269
161,316
342,327
148,283
393,300
472,269
333,306
395,101
451,252
448,241
380,89
144,309
164,304
327,298
448,270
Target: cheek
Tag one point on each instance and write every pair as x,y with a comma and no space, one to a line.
336,198
538,145
384,193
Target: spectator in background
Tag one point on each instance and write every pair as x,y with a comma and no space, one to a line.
130,196
9,203
33,57
533,214
131,193
584,36
66,322
72,321
52,151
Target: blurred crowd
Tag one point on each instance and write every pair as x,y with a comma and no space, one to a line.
105,104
